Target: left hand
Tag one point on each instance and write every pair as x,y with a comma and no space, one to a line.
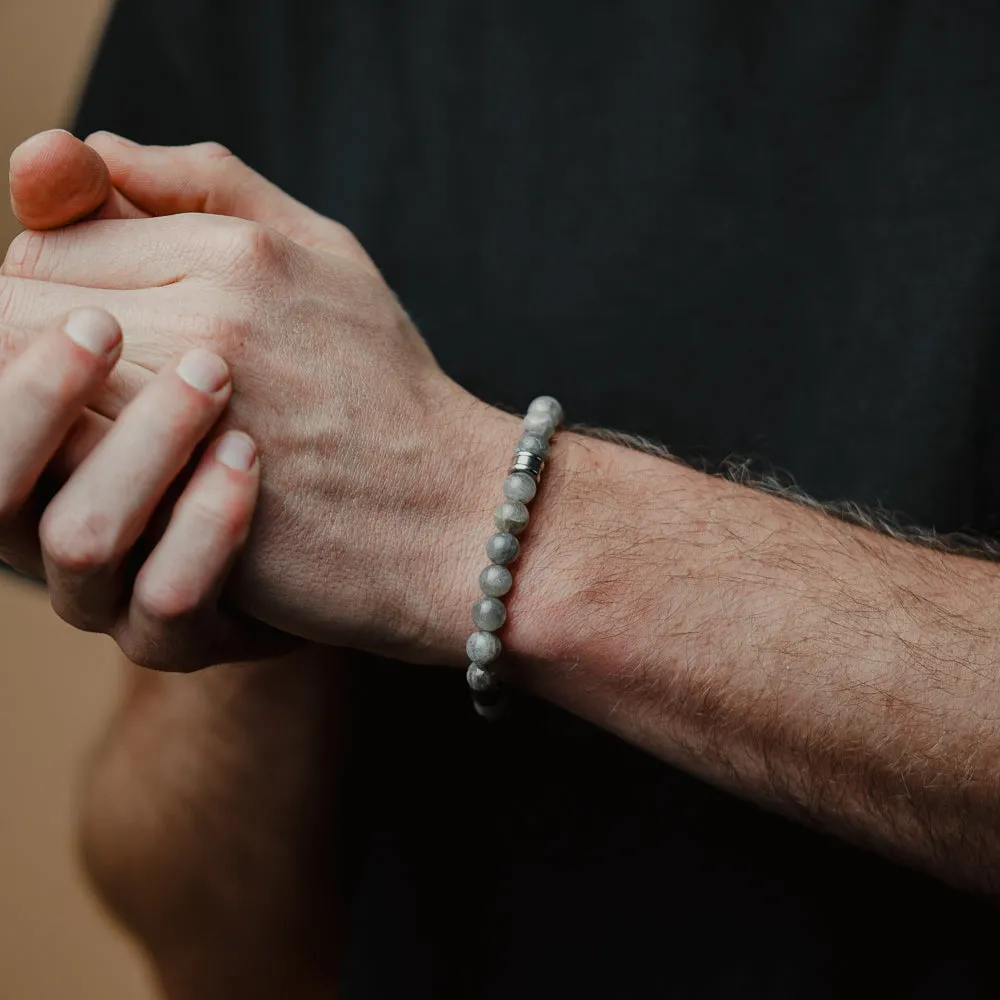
380,471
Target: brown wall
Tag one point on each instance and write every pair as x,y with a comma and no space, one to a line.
56,686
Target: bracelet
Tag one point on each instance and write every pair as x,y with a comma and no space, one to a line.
511,517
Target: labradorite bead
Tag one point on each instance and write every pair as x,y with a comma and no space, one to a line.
489,614
482,680
495,581
502,548
519,486
490,711
535,443
483,648
511,516
548,405
539,422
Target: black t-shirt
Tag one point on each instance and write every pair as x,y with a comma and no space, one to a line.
762,229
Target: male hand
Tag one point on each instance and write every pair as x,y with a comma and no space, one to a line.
89,536
249,752
379,468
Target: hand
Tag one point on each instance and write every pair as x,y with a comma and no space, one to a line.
81,539
183,747
55,180
381,474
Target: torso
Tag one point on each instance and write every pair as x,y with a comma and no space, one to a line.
753,230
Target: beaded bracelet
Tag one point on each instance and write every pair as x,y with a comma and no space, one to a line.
511,517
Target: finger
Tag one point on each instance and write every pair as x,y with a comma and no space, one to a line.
206,177
19,545
116,253
97,517
43,393
173,621
83,437
26,306
56,179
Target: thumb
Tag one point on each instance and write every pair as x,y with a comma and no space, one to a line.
55,180
166,180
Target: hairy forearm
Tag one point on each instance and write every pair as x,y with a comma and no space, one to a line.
823,669
209,825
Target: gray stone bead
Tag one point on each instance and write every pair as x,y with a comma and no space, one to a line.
511,516
482,680
540,423
492,713
483,648
502,548
548,405
537,444
519,486
489,614
495,581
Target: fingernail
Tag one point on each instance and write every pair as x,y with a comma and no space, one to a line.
94,330
203,370
118,138
236,450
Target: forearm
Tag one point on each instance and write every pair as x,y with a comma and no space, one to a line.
814,666
208,823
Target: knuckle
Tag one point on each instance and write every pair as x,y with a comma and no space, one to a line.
141,652
246,249
226,522
73,615
166,602
346,238
80,544
152,649
212,152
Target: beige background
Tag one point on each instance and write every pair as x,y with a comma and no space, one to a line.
56,686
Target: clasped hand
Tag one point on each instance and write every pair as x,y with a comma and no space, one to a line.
276,327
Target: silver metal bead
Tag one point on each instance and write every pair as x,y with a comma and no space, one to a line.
488,614
483,648
548,405
534,443
519,486
482,680
495,581
529,463
511,516
502,548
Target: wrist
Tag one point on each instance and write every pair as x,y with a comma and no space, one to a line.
551,577
584,579
472,453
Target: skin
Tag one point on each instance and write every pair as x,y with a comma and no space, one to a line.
821,669
249,751
122,471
